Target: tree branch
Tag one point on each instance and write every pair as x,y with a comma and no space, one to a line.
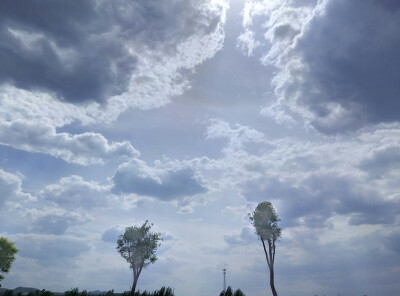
270,252
273,252
266,253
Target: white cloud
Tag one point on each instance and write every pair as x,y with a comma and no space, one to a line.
238,136
84,149
10,188
74,192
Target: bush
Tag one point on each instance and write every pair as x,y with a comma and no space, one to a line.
73,292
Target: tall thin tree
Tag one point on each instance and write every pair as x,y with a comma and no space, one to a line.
265,221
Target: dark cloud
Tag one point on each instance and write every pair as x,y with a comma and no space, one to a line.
315,199
87,50
165,184
64,47
352,55
392,242
382,161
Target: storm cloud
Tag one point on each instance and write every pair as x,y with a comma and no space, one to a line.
68,48
88,51
338,61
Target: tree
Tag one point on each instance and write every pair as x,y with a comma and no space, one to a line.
265,221
7,255
229,291
238,292
138,247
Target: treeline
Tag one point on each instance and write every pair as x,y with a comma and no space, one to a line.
30,293
164,291
229,292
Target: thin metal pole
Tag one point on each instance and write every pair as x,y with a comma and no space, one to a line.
224,273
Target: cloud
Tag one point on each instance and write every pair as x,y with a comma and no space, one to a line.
89,52
91,62
392,242
73,50
335,72
57,222
239,137
10,188
163,183
84,149
112,234
74,192
382,161
246,235
310,182
48,249
315,199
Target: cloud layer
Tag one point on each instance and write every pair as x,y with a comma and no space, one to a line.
163,183
337,73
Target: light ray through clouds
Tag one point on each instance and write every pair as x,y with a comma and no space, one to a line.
188,114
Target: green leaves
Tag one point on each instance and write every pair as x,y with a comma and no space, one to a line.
265,221
7,255
138,246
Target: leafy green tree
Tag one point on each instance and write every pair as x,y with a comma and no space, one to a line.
265,221
138,247
9,293
7,255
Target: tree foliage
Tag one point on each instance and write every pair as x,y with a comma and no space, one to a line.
229,292
162,292
138,246
238,292
265,221
7,255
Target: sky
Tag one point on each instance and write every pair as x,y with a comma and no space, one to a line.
188,113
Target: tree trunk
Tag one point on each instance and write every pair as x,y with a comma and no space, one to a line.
270,260
134,286
271,281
